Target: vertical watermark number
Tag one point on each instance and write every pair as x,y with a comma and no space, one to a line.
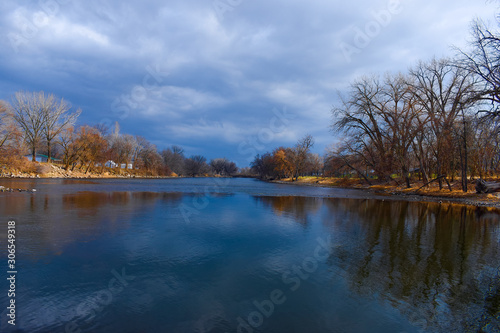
11,271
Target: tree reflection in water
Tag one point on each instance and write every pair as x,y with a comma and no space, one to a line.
53,221
296,207
438,264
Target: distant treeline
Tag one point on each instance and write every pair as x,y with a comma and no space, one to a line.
35,123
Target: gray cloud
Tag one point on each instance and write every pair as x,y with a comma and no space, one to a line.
219,76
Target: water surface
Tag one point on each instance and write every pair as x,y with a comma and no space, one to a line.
239,255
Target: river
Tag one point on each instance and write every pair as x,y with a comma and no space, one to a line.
240,255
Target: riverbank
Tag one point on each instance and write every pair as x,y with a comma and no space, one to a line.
416,192
45,170
55,171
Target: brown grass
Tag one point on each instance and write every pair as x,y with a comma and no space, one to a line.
431,190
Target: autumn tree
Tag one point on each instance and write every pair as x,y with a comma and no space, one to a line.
282,162
9,131
92,146
70,146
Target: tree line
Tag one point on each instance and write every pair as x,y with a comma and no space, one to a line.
288,162
438,121
37,122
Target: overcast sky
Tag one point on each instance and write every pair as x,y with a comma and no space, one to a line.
221,78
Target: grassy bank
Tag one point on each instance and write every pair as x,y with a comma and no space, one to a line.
430,191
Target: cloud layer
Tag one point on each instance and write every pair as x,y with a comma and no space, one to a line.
207,75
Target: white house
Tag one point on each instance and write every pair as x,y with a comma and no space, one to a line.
110,164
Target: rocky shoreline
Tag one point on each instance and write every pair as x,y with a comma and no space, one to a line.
7,189
54,171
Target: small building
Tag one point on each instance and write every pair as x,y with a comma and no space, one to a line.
113,164
110,164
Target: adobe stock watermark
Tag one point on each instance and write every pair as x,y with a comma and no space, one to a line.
30,26
87,310
257,143
221,7
122,106
364,36
292,280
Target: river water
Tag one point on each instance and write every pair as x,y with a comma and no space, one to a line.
240,255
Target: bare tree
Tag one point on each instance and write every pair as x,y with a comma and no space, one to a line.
41,117
56,117
223,167
264,166
8,128
174,159
483,60
362,118
140,144
301,152
350,153
149,158
314,164
444,92
196,165
399,112
27,109
123,147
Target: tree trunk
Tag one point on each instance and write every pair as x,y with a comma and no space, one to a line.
425,176
405,172
440,182
448,183
487,187
464,165
33,154
49,152
426,184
